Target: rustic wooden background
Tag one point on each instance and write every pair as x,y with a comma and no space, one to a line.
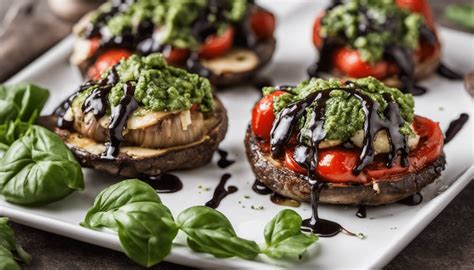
448,242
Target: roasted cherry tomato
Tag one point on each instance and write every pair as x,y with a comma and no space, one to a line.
419,6
316,28
176,56
215,46
290,162
105,61
349,62
263,116
94,45
425,51
262,23
430,145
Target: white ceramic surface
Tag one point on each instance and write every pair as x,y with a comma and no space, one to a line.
388,229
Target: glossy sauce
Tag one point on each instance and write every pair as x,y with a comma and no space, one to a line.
305,155
223,161
455,126
260,188
221,192
361,211
412,200
448,73
164,183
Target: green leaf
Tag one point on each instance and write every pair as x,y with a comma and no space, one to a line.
146,231
114,197
461,14
209,231
7,240
38,169
284,238
27,100
6,260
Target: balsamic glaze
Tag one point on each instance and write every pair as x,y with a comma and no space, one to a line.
455,126
448,73
306,155
223,161
164,183
260,188
412,200
282,200
361,211
221,192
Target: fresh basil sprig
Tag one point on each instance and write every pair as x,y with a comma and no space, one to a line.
209,231
283,236
8,245
146,228
38,169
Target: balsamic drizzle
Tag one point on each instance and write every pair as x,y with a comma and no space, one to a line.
221,192
402,56
261,188
306,152
455,126
412,200
223,161
448,73
361,211
163,183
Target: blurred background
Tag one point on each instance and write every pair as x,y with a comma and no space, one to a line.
28,28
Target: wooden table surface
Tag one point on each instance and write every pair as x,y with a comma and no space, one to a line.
447,242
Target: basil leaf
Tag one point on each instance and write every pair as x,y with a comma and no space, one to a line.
6,260
38,169
22,101
7,240
146,231
114,197
209,231
284,238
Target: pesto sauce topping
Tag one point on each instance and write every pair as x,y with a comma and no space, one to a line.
174,17
344,114
370,25
158,86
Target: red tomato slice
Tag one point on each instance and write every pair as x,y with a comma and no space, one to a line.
263,116
290,162
425,51
176,56
94,45
317,40
349,62
105,61
431,143
215,46
263,24
419,6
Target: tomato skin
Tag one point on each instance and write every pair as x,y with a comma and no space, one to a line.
176,56
263,116
349,62
431,143
425,51
317,40
215,46
107,60
263,24
418,6
290,162
94,45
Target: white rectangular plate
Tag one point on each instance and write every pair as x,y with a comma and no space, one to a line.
388,228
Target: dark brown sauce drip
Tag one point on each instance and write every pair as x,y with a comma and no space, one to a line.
282,200
448,73
402,56
61,110
306,155
260,188
163,183
118,121
455,126
223,161
361,211
412,200
221,192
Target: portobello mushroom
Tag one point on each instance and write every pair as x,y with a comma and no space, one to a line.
142,118
239,51
389,41
356,143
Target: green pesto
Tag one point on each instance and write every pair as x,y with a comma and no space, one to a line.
344,114
175,18
390,25
158,86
